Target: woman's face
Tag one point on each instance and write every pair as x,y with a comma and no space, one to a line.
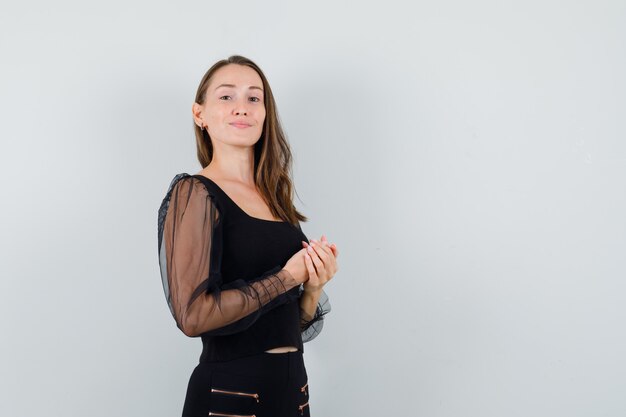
235,94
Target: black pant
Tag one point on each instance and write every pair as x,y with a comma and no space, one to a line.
262,385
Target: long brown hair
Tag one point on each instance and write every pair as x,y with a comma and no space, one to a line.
272,155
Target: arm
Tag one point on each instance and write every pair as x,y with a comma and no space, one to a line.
308,305
313,308
189,257
314,305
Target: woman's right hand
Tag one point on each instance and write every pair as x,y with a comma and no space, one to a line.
297,268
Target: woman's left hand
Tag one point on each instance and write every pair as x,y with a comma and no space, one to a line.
321,262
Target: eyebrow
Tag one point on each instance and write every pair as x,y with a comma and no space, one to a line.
252,87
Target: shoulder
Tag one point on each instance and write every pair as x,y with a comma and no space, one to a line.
185,181
189,192
186,187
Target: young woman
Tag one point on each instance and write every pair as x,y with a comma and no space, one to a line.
236,268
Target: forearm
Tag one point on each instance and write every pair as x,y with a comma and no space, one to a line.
207,315
308,304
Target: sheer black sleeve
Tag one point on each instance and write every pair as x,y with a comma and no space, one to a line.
189,244
311,328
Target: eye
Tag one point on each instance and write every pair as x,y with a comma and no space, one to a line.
224,96
257,99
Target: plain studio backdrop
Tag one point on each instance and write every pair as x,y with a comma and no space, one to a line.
467,158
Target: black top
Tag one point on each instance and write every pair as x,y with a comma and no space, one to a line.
222,273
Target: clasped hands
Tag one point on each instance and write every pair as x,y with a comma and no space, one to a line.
314,265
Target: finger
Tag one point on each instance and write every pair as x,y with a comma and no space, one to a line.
323,265
332,249
327,244
307,246
312,250
309,266
328,260
315,258
332,265
323,253
320,247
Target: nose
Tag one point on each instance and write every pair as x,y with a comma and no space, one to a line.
240,107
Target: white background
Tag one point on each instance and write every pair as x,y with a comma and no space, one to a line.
467,158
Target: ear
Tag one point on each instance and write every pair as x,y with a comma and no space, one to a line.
196,111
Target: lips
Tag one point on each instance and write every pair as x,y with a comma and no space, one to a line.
240,123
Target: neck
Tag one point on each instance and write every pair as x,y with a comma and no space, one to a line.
233,164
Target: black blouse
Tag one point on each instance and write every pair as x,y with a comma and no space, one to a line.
222,273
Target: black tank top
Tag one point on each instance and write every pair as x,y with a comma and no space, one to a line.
208,245
252,246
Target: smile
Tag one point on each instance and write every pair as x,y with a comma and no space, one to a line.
239,125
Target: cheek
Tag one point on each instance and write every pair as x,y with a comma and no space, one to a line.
261,123
261,117
216,117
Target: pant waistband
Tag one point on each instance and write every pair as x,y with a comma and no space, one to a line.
263,364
